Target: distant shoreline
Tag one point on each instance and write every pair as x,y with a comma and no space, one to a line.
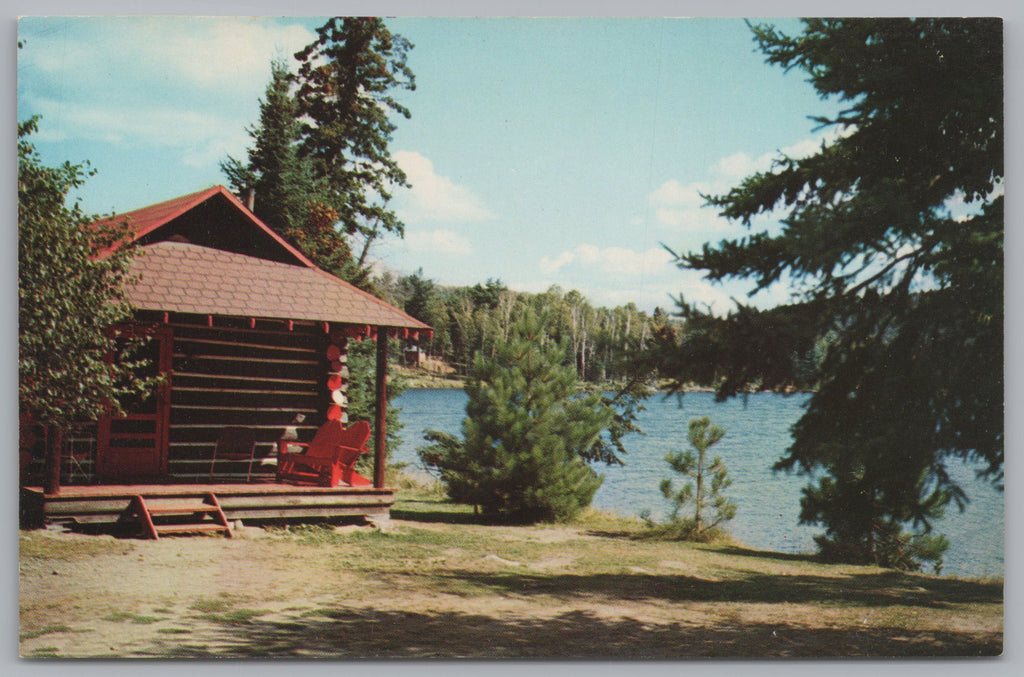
436,383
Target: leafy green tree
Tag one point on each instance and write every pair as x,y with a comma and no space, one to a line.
705,491
528,434
894,232
487,295
345,101
68,299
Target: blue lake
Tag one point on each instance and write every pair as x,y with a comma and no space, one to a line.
757,434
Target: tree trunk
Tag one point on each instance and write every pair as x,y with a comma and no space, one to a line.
700,489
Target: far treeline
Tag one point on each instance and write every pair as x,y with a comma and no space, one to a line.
477,319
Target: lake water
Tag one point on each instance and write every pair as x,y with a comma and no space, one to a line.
757,434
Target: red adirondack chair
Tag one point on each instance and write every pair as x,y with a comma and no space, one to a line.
328,459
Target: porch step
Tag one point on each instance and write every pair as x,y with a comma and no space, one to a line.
156,516
209,527
179,508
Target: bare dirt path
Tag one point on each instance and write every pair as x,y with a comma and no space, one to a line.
423,590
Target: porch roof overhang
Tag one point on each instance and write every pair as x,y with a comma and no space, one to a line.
187,278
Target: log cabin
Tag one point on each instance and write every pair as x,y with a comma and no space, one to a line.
252,339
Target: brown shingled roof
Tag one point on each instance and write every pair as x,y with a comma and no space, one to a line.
187,278
208,280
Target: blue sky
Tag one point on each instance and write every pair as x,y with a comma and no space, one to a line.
541,151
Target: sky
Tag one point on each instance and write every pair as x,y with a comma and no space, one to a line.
568,151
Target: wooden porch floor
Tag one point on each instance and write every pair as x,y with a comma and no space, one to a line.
99,503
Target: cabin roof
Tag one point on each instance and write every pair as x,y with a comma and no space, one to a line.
187,278
212,217
206,253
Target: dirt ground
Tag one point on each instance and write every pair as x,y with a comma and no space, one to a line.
422,590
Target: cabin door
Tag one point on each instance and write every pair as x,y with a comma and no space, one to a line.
134,447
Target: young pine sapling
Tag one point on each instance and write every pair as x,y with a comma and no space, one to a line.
705,489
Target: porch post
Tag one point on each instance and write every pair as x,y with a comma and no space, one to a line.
380,441
54,447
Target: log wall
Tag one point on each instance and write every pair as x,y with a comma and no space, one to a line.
258,378
258,374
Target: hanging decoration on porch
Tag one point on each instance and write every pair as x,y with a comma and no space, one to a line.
337,377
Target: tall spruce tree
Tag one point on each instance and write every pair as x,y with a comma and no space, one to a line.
895,231
286,195
528,433
280,182
345,101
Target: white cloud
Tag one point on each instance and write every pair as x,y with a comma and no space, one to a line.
434,197
151,125
610,260
215,53
436,242
739,165
179,82
681,208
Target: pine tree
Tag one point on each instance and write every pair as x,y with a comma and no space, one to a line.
281,183
286,195
527,434
895,230
345,100
705,490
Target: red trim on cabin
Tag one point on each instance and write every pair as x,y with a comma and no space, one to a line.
147,219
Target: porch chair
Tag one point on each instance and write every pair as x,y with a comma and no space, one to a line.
235,443
328,459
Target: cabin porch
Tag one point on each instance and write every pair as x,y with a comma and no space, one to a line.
257,501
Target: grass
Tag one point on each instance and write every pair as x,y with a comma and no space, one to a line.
46,652
125,616
442,582
60,550
222,610
236,616
49,629
214,605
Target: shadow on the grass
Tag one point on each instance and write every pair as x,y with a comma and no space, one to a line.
436,516
869,590
442,511
369,633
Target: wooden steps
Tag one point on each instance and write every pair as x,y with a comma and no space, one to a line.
156,515
255,502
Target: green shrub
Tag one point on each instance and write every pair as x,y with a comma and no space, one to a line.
528,434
